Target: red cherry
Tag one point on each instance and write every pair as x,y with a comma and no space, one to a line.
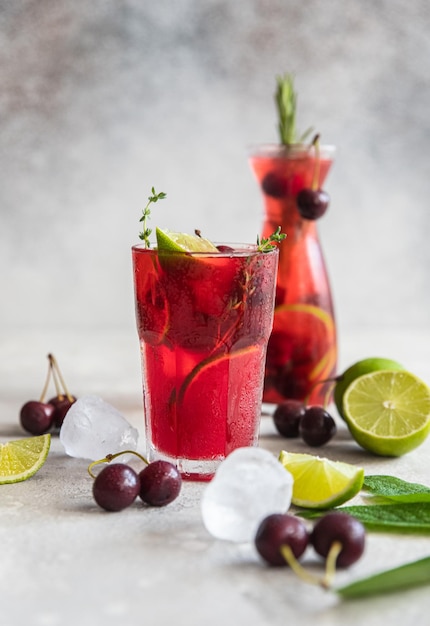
116,487
343,528
287,417
312,203
275,185
160,483
37,417
61,404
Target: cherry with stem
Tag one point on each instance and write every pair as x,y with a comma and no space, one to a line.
312,202
340,539
37,416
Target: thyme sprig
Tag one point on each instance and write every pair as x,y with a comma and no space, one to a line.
267,244
146,231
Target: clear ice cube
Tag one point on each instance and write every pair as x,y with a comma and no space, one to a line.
93,428
249,485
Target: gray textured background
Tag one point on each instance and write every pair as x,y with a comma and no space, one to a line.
101,100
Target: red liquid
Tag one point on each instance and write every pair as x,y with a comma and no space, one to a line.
302,349
203,323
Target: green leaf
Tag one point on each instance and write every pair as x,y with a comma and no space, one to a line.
396,489
395,579
408,517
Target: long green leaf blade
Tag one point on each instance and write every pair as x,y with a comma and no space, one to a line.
399,578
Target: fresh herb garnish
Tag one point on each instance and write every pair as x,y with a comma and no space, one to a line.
395,489
403,517
286,103
146,232
267,244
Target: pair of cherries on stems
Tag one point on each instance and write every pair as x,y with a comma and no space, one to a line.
338,537
39,416
117,486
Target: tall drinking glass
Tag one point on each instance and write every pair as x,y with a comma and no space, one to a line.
203,320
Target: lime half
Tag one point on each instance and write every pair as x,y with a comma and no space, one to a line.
320,483
388,412
365,366
169,241
23,458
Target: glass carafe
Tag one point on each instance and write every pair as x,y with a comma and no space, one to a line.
302,348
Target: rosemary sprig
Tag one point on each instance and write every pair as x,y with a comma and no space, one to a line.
267,244
146,231
286,104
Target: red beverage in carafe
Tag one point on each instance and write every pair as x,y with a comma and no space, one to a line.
302,349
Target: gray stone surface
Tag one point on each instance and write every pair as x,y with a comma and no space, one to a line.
65,562
101,100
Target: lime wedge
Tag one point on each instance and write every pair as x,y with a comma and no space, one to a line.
320,483
388,412
365,366
23,458
168,241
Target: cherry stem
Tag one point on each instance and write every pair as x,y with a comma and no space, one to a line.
299,570
325,581
316,176
328,395
56,381
330,569
45,387
110,457
56,370
333,380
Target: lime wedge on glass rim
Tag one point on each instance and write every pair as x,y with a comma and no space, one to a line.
388,411
169,241
320,483
22,458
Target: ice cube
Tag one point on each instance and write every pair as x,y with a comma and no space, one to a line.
93,428
249,485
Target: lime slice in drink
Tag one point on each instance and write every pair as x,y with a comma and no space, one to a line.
365,366
231,403
168,241
388,412
22,458
320,483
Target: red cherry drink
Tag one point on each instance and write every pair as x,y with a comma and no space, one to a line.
302,349
203,321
